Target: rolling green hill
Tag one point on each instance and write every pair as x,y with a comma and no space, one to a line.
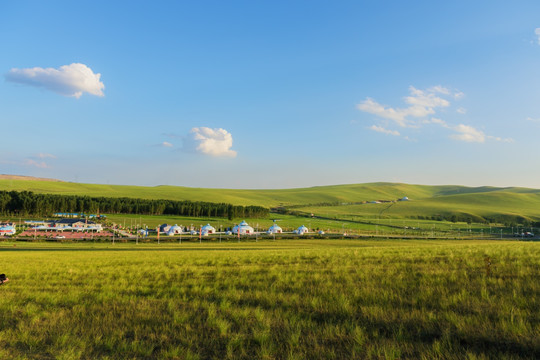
339,200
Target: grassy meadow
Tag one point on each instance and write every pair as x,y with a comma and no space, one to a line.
502,205
301,299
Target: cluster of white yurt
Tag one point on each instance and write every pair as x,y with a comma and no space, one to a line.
243,229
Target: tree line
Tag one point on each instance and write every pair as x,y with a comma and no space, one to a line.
24,203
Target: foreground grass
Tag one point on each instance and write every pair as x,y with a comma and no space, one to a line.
272,300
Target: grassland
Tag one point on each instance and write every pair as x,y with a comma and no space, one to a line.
353,225
272,300
338,201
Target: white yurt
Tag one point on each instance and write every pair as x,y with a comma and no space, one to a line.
302,230
243,229
174,230
208,229
274,229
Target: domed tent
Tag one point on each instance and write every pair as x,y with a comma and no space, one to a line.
243,229
174,230
274,229
208,229
302,230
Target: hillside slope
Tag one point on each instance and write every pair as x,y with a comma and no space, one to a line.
425,200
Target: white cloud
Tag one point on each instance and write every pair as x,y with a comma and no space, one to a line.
537,32
496,138
533,119
38,160
459,95
421,104
436,121
371,106
468,134
166,144
439,89
207,141
46,156
461,111
68,80
384,131
35,163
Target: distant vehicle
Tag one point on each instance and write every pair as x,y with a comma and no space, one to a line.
529,234
59,237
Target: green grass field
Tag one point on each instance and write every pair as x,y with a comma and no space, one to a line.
307,299
426,201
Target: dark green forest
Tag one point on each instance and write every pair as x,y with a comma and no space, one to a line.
27,203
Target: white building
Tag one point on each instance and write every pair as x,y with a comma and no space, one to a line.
302,230
243,229
174,230
208,229
274,229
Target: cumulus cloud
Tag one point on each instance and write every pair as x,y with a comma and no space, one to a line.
537,32
166,144
212,142
421,103
468,134
68,80
384,131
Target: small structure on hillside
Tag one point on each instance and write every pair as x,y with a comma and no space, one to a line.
405,198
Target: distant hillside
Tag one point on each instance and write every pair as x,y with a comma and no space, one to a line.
441,202
22,177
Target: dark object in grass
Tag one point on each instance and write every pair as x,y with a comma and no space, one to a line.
3,279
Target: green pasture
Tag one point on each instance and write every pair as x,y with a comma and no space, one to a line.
268,198
489,204
340,202
353,225
308,299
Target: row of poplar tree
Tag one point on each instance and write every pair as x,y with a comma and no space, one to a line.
24,203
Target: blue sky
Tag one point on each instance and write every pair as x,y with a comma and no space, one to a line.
273,94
